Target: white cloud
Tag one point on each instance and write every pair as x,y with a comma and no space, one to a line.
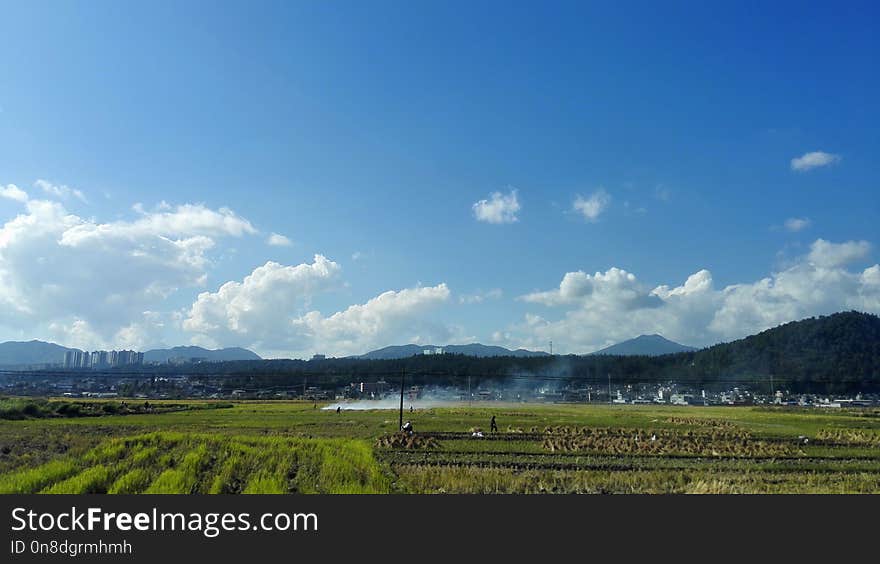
604,308
831,255
391,317
148,330
816,159
259,308
13,192
615,286
59,190
184,221
84,279
499,208
77,334
267,311
795,224
592,207
277,240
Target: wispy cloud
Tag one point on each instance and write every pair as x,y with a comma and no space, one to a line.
816,159
795,224
13,192
499,208
480,297
278,240
592,206
662,193
59,190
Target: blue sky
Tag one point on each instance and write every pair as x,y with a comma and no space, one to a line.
366,132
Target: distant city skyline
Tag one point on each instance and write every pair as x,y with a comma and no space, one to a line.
76,358
338,177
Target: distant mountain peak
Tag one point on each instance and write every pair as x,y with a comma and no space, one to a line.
33,352
647,345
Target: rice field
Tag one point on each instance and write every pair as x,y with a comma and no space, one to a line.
182,463
293,447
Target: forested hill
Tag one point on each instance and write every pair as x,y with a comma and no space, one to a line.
843,349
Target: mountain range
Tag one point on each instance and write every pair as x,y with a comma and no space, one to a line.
215,355
38,353
644,345
473,349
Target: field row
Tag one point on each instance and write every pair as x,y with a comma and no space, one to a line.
478,480
696,457
190,463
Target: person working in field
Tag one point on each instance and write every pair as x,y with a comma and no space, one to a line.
493,426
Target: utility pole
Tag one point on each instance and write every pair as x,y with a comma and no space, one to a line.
551,348
402,378
469,389
772,396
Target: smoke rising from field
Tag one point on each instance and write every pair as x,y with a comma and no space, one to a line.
392,403
519,386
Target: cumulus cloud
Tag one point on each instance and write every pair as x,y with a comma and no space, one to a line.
59,190
815,159
616,287
268,311
278,240
592,206
825,254
259,308
13,192
87,280
611,306
499,208
393,316
795,224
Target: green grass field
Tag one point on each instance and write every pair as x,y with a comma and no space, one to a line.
291,447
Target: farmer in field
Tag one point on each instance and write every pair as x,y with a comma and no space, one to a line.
493,426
